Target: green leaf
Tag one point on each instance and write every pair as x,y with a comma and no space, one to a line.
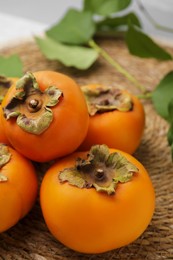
141,45
172,151
170,110
11,66
105,7
75,28
118,23
76,56
162,96
170,135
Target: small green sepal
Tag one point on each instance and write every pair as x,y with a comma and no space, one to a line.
3,178
5,156
101,169
32,107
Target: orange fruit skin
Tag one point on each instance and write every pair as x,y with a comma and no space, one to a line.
67,130
91,222
19,192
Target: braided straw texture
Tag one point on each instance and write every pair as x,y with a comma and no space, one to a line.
30,238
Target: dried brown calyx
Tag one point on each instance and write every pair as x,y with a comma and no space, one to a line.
31,106
5,156
5,83
102,98
102,170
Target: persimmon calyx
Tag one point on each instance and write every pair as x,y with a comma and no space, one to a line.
102,99
5,156
31,106
101,170
5,83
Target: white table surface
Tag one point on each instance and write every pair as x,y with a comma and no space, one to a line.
13,28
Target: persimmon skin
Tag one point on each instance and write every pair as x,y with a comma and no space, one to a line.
3,138
67,130
91,222
19,192
116,129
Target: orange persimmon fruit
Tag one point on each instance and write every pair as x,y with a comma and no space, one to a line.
45,115
97,201
18,187
117,118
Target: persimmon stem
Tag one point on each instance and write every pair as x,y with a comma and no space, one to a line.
116,65
145,96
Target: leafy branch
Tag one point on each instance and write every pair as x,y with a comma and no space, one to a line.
69,40
72,42
116,65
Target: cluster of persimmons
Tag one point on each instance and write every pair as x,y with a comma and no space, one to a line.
95,196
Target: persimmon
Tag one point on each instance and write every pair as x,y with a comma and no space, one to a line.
117,118
45,115
18,187
5,83
97,201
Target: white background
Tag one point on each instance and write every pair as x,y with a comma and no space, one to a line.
21,18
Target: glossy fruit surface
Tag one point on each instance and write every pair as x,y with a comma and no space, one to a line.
89,221
120,128
18,187
45,115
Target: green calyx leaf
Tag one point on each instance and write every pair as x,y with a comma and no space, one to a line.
54,95
143,46
11,66
76,27
105,8
71,56
31,106
5,156
35,126
119,23
102,99
100,170
3,178
162,96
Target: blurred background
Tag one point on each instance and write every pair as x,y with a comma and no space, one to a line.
23,18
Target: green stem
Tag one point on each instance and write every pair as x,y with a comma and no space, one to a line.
145,96
116,65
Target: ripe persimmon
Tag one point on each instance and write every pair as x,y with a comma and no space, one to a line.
45,115
117,118
97,201
18,186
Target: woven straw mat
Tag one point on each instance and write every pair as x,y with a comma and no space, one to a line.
30,238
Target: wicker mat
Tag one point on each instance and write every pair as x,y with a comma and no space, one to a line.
30,238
